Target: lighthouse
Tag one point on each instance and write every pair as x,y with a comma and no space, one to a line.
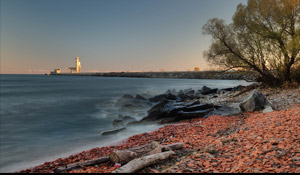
78,65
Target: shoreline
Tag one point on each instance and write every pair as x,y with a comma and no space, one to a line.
217,75
283,100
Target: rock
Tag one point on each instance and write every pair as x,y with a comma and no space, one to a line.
156,111
255,101
192,114
118,122
139,97
123,120
126,98
162,97
130,103
206,90
225,111
112,131
198,107
170,111
268,109
189,91
173,92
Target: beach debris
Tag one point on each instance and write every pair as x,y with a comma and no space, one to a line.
142,162
125,156
81,164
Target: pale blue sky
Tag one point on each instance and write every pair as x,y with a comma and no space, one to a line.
107,35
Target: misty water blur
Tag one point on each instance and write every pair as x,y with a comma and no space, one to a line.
43,118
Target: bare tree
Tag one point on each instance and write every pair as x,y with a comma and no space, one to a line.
264,37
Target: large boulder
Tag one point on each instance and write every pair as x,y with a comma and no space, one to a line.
255,101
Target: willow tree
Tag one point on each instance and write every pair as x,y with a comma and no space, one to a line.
264,37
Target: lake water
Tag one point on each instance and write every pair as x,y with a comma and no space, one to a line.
43,117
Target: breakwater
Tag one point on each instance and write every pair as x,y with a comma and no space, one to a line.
218,75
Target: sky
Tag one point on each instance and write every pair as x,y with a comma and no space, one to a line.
38,36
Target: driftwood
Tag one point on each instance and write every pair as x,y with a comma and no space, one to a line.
125,156
174,146
128,152
142,162
81,164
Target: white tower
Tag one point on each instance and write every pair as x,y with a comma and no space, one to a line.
78,65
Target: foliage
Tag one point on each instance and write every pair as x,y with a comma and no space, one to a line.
264,37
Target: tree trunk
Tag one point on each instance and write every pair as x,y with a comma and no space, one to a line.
142,162
125,156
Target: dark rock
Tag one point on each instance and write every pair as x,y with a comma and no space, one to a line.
175,111
139,97
255,101
123,120
118,122
192,114
188,91
225,111
238,88
112,131
125,99
162,97
198,107
130,103
156,111
173,92
206,90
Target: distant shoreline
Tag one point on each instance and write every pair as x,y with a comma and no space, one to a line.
218,75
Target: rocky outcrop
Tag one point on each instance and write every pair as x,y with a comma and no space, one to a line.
255,101
172,111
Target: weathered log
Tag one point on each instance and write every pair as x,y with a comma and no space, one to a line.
174,146
125,156
81,164
142,162
122,157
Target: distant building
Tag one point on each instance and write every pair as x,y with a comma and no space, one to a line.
197,69
56,71
76,69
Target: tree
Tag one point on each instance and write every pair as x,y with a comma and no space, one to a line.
264,37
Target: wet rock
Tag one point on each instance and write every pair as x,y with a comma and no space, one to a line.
184,115
125,99
129,103
162,97
123,120
112,131
255,101
189,91
140,97
206,90
171,91
198,107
